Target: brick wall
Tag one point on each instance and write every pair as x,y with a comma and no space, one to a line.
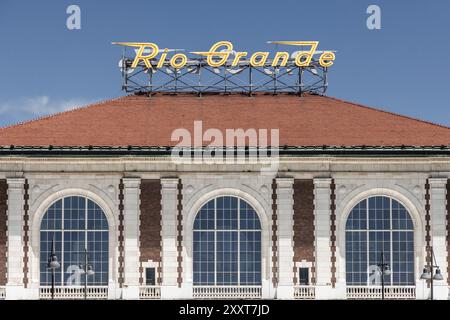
3,235
150,223
304,221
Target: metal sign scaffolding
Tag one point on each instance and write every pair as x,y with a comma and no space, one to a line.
198,77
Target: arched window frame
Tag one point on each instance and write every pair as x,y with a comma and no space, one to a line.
104,271
239,232
410,229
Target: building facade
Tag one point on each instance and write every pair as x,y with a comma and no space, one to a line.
360,199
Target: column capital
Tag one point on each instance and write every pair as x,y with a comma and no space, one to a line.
131,182
322,182
438,182
284,182
169,183
17,183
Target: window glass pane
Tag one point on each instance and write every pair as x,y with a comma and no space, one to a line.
385,231
71,241
227,258
74,213
150,279
204,257
46,249
227,213
403,258
250,257
358,217
249,218
227,243
303,275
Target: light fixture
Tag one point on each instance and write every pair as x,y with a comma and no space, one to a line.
234,71
194,69
53,262
438,275
216,70
387,270
122,67
153,70
90,271
426,275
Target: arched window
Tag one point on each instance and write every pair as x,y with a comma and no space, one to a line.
227,243
379,226
74,224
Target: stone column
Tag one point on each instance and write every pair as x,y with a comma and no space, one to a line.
322,212
285,237
14,285
169,263
438,232
131,194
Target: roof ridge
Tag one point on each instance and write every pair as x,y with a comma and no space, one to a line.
389,112
50,116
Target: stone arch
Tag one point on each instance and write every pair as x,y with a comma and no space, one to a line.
259,208
351,200
41,208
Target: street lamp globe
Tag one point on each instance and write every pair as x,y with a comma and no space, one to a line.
438,275
53,262
426,275
90,271
387,270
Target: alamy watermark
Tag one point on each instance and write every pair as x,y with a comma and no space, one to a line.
374,19
232,146
73,21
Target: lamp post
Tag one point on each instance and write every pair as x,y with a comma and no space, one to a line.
53,264
429,274
88,271
385,270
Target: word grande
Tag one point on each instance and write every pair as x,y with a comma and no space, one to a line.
220,53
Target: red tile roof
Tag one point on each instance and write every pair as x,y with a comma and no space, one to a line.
307,121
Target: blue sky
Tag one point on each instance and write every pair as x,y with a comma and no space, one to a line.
403,68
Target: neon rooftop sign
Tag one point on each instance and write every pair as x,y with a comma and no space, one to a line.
221,53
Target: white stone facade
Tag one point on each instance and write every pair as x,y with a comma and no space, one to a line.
355,179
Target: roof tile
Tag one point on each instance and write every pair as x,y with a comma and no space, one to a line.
149,121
